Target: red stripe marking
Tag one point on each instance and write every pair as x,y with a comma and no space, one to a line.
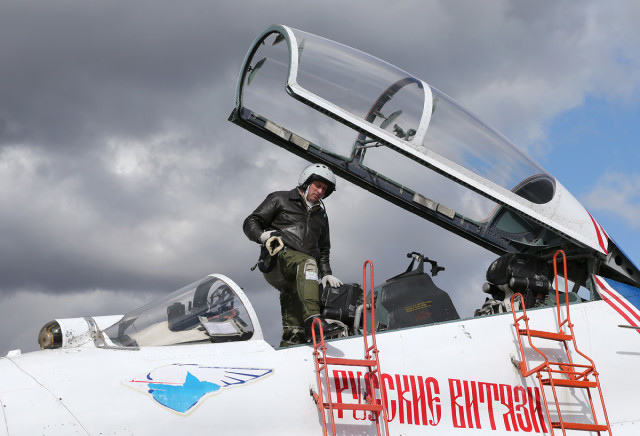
600,241
609,298
623,302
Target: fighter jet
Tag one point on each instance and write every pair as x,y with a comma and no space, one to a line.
551,348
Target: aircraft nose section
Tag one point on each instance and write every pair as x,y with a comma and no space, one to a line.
29,408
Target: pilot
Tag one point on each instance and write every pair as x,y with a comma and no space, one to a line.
293,229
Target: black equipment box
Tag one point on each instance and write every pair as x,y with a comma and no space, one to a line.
522,273
340,303
518,265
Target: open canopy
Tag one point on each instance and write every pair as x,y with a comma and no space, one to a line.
394,135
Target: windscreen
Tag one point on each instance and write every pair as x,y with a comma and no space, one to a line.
208,310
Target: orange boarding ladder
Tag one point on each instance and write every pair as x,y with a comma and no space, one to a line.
371,362
567,374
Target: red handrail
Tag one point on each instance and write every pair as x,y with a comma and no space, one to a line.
577,374
370,361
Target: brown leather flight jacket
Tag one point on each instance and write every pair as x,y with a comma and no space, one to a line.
302,229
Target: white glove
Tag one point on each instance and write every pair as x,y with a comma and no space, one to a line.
334,282
266,235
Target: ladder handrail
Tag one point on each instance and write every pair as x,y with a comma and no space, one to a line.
374,345
371,359
318,397
576,377
525,318
566,288
367,349
566,297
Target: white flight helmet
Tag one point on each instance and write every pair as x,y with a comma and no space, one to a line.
318,172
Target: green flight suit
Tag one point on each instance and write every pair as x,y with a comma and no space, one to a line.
296,277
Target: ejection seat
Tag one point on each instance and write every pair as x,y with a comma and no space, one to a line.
511,273
412,299
406,300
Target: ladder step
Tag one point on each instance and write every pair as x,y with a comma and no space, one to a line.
579,426
546,335
570,383
347,362
346,406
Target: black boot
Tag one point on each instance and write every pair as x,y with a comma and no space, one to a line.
329,330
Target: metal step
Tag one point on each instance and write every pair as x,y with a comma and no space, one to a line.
347,406
570,383
347,362
579,426
546,335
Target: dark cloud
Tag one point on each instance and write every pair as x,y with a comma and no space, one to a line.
74,72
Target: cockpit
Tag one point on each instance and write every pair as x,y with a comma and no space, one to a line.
396,136
216,310
209,310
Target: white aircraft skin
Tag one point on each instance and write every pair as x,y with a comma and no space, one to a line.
196,361
105,391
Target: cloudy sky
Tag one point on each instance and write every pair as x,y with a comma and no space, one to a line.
121,178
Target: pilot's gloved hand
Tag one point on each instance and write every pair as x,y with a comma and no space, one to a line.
272,241
266,235
334,282
274,244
